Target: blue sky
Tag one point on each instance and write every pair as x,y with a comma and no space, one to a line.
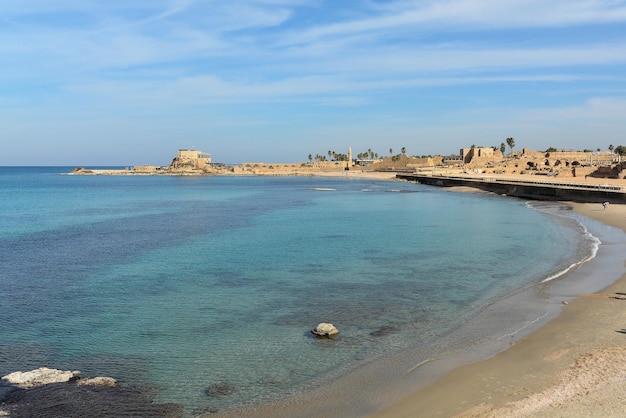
121,82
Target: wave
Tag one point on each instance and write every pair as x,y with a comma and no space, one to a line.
588,236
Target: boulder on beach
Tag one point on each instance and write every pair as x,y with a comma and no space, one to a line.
39,377
325,330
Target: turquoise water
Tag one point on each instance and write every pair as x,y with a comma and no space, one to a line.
184,284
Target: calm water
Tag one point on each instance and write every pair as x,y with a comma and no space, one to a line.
186,284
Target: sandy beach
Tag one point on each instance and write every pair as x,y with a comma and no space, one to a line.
575,366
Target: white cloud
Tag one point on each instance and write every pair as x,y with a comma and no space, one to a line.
184,32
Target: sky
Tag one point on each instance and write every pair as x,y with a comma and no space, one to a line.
121,82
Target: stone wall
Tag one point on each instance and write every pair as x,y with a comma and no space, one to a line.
480,155
147,168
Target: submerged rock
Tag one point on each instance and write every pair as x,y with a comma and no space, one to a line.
325,330
383,332
219,389
70,400
97,381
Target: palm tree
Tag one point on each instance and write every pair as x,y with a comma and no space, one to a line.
390,151
310,158
502,148
403,150
511,143
611,148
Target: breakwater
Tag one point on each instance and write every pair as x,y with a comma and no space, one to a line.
529,189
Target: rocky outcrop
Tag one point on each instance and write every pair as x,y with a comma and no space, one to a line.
325,330
81,170
49,392
45,376
39,377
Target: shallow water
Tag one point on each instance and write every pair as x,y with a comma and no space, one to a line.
205,289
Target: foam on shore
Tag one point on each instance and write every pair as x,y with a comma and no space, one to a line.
595,241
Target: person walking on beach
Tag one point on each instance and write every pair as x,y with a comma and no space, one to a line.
605,204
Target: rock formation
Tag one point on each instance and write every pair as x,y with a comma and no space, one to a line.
45,376
57,393
39,377
325,330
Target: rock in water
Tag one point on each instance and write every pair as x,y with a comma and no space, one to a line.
219,389
39,377
45,376
57,393
325,330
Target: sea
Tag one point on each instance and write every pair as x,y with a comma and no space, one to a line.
202,291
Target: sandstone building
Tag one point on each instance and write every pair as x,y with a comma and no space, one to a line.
191,159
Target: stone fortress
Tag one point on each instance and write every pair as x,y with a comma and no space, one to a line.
186,160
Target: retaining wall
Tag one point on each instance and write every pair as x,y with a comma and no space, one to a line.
574,192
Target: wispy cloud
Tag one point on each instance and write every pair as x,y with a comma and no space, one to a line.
158,54
256,34
458,15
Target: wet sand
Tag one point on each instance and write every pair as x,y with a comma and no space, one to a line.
572,367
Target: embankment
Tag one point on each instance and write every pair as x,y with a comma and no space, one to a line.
530,189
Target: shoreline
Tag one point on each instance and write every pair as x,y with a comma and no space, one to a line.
410,396
519,384
571,366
